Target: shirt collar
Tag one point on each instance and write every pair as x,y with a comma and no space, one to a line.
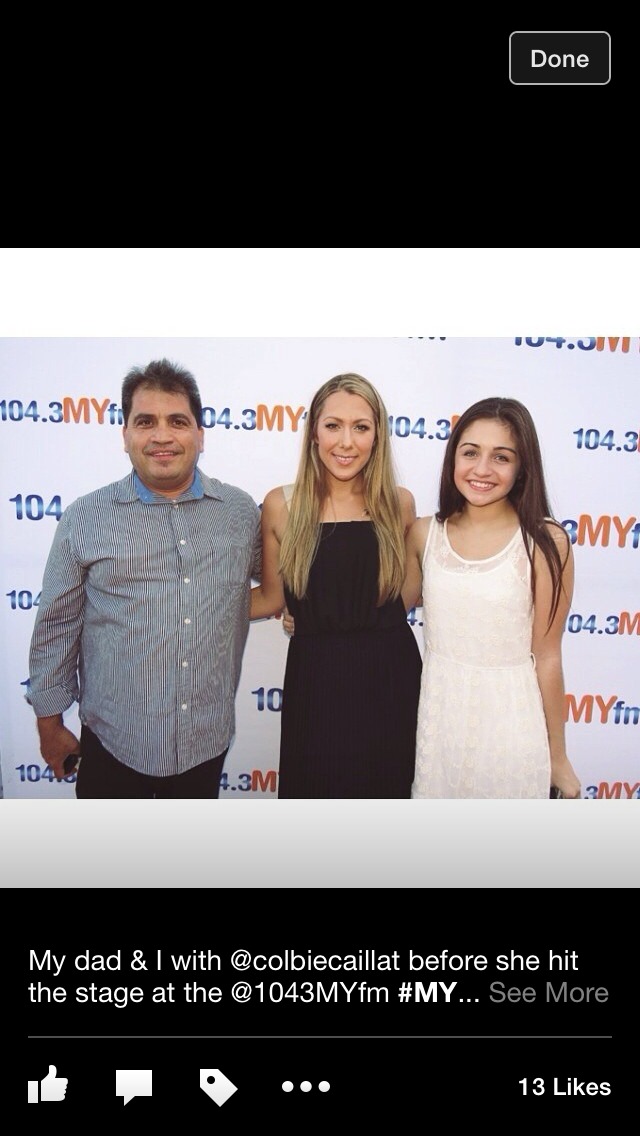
194,492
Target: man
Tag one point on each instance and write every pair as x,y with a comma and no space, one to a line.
144,610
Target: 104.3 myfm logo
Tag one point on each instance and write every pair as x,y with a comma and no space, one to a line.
614,790
101,412
603,530
589,343
65,410
601,710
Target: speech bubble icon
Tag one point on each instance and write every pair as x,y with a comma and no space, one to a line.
216,1085
132,1083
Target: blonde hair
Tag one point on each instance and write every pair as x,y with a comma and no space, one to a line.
302,534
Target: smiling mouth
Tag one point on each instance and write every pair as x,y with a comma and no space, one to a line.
344,459
480,485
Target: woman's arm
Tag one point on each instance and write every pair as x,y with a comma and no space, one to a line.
547,652
415,541
268,598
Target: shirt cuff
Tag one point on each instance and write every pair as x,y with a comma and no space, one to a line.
48,702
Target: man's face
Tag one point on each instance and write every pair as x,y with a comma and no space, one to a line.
163,440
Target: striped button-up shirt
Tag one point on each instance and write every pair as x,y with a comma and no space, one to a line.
143,619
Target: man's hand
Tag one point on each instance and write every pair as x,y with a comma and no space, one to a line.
56,741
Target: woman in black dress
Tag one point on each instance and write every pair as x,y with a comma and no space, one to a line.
333,551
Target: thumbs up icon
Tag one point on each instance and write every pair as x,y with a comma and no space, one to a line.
52,1087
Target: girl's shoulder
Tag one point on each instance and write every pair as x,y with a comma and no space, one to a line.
418,533
557,533
275,506
406,497
407,507
560,538
277,497
423,524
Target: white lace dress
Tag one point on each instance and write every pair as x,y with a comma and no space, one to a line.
481,726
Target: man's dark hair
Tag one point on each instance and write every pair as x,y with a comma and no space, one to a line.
162,375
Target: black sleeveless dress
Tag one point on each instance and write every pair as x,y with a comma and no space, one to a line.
352,679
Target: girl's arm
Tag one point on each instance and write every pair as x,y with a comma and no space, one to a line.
546,648
415,541
268,598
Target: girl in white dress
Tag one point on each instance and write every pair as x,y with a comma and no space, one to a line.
496,577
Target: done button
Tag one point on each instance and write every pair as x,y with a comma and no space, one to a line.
560,58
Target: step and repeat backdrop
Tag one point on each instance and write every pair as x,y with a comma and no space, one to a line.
581,391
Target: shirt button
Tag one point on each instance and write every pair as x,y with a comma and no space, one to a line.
185,664
187,580
184,706
183,542
187,621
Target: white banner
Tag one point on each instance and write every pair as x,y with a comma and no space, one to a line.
581,391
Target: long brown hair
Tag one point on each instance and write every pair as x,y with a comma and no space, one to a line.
528,495
302,534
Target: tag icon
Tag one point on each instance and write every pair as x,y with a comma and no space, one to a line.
216,1085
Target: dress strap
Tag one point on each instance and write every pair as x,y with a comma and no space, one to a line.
288,493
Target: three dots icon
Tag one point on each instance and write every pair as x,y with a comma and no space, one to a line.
305,1086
